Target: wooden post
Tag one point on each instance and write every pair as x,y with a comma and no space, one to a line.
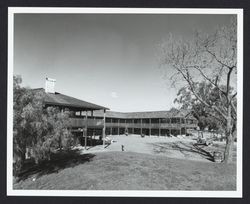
111,128
93,118
185,126
133,126
126,127
118,127
149,126
159,127
86,128
104,128
141,126
92,135
180,125
170,129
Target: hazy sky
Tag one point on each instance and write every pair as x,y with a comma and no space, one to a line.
110,60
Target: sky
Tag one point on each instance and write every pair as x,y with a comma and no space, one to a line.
107,59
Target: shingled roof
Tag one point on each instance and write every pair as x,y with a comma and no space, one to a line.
58,99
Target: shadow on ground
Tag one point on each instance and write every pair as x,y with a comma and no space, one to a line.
90,142
59,161
185,148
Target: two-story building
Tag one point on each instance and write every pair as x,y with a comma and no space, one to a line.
158,123
88,119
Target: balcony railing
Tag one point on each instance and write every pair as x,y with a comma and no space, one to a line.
80,122
147,125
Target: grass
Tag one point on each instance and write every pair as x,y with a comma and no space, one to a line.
59,161
127,171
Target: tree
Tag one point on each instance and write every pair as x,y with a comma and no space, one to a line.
43,130
207,117
213,58
21,98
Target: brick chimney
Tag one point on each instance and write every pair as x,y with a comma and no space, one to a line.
50,85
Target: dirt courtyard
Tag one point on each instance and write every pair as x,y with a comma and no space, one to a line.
173,147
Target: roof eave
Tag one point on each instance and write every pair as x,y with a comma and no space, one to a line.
75,106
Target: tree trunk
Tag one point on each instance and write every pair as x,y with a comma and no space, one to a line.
229,138
229,148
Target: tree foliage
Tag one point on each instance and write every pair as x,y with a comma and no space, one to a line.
211,58
40,129
206,116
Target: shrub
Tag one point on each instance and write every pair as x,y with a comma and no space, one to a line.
41,129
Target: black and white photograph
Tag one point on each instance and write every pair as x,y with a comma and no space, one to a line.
125,102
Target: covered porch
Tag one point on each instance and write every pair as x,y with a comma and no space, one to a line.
80,111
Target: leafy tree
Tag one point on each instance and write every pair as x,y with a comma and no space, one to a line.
36,127
213,58
207,117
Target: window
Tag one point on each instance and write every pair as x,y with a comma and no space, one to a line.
178,120
173,120
137,120
145,121
165,120
129,121
122,120
155,120
108,120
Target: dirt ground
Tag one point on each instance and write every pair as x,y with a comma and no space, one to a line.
173,147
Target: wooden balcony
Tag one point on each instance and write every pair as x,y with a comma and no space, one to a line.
152,125
98,123
80,122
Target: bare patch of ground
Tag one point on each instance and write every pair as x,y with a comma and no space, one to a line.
181,148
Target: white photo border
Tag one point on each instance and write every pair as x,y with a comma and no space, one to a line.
124,193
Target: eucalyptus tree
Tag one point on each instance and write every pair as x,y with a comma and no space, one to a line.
209,57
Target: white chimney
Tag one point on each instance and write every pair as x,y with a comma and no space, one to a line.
50,85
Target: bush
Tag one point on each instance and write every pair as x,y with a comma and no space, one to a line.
43,130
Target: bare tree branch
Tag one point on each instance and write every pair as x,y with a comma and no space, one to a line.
189,81
219,61
233,107
234,95
208,79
